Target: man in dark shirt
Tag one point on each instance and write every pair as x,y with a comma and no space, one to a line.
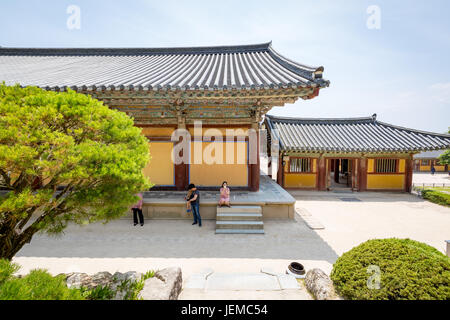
194,199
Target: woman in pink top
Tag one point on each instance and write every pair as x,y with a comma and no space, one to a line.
224,195
137,210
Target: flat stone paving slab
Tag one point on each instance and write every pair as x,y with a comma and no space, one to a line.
244,286
309,219
287,281
265,280
196,294
242,281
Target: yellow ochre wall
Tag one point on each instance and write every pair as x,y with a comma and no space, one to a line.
380,181
214,174
428,168
300,180
385,181
401,165
388,181
370,165
160,169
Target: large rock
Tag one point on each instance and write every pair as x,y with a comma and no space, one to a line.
320,285
121,283
130,276
77,280
165,285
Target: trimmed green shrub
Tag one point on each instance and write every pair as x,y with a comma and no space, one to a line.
97,293
38,285
7,269
436,196
409,270
136,287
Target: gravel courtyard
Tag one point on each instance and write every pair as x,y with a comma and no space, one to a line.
427,178
348,218
352,218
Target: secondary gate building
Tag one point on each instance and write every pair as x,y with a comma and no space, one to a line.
355,153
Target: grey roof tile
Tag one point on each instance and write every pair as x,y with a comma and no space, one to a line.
351,135
429,154
212,68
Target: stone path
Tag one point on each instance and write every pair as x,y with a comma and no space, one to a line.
243,285
312,222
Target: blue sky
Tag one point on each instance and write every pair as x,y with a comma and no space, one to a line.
401,71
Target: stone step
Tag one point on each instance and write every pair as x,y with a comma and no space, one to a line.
239,231
239,224
240,216
239,209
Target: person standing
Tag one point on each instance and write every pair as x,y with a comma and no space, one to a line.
137,210
194,201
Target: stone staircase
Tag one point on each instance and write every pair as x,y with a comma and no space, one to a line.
239,219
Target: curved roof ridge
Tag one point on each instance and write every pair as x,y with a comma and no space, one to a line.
281,57
320,119
444,135
137,50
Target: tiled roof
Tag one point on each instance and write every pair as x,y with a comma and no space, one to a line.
215,68
429,154
351,135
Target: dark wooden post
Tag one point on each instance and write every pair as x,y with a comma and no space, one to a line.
254,167
280,173
408,174
181,170
181,176
362,174
322,174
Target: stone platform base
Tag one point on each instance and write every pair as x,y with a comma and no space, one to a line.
276,203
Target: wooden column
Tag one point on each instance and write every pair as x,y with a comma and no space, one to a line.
181,170
362,174
280,172
254,168
181,176
322,174
354,174
409,174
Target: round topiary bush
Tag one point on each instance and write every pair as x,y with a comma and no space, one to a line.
392,269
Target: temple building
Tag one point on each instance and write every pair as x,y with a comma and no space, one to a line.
424,161
359,154
164,89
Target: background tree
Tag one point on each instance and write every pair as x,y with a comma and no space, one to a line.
445,157
63,157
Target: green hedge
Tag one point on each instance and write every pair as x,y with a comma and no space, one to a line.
410,270
37,285
436,196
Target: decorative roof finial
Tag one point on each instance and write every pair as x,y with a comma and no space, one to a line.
374,117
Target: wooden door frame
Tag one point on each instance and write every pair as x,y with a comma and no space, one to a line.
354,176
